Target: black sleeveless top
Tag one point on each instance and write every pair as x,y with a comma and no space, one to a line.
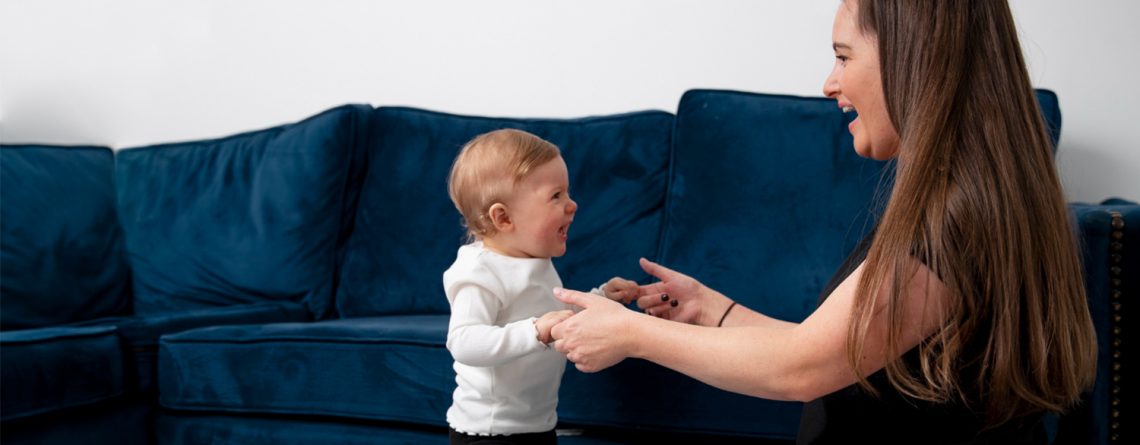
852,415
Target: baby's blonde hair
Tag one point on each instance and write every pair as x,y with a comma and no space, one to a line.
487,170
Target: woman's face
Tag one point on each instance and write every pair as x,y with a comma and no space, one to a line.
855,82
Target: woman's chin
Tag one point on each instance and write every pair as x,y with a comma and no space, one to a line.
869,152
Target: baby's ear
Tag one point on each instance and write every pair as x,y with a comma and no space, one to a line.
500,217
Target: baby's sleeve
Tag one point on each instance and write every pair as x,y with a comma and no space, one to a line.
472,336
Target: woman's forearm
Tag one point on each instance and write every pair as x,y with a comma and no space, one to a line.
753,354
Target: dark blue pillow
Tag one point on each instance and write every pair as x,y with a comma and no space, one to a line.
249,218
61,244
407,230
1051,112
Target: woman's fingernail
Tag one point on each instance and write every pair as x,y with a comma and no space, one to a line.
559,291
664,297
673,303
648,312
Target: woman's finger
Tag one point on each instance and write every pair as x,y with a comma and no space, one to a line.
661,272
654,300
576,298
658,287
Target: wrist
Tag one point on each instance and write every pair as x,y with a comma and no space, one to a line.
638,328
713,313
727,311
538,333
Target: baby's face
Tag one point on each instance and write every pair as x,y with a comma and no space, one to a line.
542,211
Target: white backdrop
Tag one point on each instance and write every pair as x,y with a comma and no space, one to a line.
131,72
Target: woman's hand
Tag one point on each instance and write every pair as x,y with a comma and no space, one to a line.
595,338
679,297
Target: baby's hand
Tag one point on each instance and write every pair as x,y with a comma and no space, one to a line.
621,289
547,321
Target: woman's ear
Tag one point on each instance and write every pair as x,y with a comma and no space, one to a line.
500,217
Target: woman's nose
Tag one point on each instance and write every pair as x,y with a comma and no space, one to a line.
831,85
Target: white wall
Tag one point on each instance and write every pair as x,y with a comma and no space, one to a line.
132,72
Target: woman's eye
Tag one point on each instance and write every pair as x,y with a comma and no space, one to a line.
841,59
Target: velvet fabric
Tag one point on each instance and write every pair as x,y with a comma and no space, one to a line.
1101,251
768,187
52,369
61,245
189,429
192,429
1051,112
642,396
762,194
767,197
140,335
380,368
250,218
121,421
407,230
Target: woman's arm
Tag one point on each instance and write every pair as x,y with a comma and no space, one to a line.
679,297
755,354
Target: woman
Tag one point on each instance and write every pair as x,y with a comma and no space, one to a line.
962,318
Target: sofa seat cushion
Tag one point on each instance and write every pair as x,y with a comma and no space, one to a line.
636,394
190,429
249,218
51,369
182,428
384,368
407,229
60,242
140,333
127,420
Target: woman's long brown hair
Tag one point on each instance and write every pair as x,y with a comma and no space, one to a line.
976,197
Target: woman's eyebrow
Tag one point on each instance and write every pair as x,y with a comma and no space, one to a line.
837,45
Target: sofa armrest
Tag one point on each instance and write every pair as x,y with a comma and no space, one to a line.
1110,246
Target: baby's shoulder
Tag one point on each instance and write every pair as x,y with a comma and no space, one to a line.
473,266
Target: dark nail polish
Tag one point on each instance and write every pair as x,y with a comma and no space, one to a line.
664,297
673,303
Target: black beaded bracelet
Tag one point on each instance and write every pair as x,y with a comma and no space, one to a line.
726,311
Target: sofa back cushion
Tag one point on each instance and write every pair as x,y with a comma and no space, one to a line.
249,218
61,245
766,199
1051,112
407,230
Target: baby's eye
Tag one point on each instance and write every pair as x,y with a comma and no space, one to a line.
556,195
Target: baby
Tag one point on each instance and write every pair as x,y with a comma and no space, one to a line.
513,190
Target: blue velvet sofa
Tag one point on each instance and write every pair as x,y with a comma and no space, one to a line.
282,286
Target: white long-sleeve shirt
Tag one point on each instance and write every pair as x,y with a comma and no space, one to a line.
507,380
